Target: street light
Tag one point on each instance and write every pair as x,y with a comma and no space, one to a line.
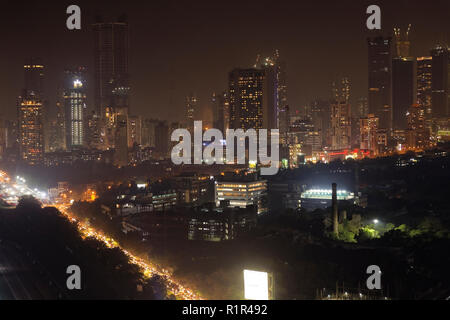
375,221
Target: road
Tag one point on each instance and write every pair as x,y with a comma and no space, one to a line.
12,282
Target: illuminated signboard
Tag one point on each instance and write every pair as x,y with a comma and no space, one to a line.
257,285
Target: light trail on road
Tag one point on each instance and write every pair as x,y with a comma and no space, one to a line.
19,188
147,269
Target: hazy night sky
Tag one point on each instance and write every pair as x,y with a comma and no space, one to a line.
178,47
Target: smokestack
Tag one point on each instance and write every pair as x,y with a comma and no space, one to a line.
335,209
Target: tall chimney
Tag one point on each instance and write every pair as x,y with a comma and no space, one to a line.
335,209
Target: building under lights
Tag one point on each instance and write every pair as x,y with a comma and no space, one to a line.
242,191
253,103
424,83
368,133
75,107
417,135
341,129
313,199
31,129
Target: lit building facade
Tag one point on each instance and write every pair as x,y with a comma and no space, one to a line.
31,130
418,136
341,126
134,131
424,83
242,194
253,103
368,133
75,106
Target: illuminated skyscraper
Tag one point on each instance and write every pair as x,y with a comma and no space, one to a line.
31,113
253,103
341,115
368,133
31,129
75,107
440,83
379,100
341,126
424,81
418,136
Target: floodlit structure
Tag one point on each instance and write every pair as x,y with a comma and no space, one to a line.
313,199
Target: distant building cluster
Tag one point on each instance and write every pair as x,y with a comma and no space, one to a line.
406,108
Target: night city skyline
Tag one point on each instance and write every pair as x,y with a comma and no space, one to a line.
178,48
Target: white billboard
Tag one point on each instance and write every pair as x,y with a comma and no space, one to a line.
256,285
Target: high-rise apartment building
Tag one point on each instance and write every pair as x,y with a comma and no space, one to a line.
75,106
368,133
111,65
424,83
341,126
404,83
380,69
440,81
418,136
253,103
134,131
31,113
31,129
111,81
